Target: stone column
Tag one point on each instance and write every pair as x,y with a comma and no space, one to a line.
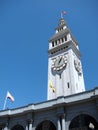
63,121
30,125
60,40
6,126
27,128
58,124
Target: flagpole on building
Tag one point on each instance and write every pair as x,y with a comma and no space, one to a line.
61,15
5,103
8,96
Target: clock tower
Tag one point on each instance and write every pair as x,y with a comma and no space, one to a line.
65,76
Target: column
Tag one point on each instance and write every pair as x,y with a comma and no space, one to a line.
30,125
60,40
27,126
6,126
58,124
63,121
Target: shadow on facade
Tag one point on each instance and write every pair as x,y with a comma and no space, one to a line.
83,122
46,125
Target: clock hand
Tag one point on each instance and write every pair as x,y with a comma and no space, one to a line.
60,59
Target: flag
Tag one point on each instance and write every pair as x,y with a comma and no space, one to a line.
52,87
63,13
9,96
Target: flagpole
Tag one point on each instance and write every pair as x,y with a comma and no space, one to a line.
4,103
61,15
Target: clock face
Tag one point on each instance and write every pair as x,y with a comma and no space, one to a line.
77,65
59,63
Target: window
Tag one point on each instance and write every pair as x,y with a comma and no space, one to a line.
52,44
68,85
65,38
62,40
56,42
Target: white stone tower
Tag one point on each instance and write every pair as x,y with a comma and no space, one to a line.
65,76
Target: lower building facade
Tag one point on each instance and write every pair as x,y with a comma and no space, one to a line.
74,112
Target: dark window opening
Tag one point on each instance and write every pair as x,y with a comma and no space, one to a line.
52,44
65,38
68,85
62,40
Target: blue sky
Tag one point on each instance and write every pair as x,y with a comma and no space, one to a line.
25,28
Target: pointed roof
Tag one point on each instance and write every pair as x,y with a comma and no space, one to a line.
62,30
